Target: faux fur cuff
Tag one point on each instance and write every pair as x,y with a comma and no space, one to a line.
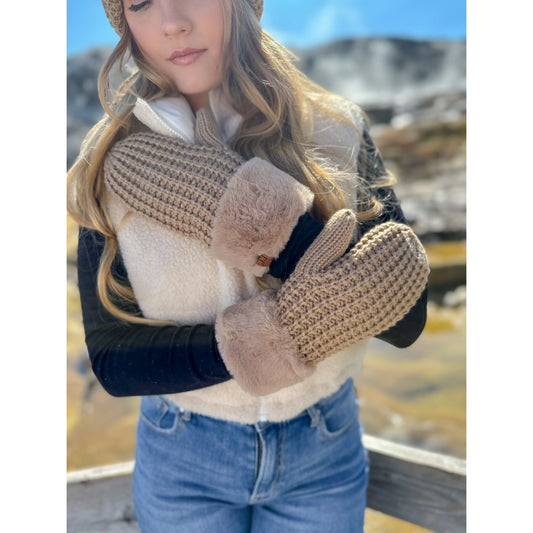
257,350
257,214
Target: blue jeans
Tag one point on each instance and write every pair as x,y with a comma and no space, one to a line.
196,474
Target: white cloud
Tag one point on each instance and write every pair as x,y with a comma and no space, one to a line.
316,22
332,18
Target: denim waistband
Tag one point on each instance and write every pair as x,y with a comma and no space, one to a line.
313,411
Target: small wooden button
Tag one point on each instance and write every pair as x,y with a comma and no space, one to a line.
264,261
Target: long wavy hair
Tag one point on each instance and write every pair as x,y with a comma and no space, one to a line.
277,103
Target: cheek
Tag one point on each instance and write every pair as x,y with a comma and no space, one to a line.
146,45
143,37
215,26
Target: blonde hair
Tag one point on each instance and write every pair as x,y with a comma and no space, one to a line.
275,100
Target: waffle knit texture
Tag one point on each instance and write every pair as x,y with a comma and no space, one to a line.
115,14
328,303
176,184
243,210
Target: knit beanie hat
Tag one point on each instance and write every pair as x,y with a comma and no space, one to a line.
113,10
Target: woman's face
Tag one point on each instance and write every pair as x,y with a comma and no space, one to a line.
182,40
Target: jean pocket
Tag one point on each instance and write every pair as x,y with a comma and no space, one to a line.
338,415
161,415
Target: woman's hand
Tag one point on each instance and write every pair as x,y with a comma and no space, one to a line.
245,210
331,301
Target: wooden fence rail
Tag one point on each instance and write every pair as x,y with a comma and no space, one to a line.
423,488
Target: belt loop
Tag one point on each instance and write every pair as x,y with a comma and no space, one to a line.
314,415
185,415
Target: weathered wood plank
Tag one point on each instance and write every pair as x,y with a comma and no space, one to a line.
446,463
420,487
99,500
101,472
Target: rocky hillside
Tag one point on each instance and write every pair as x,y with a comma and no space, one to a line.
383,71
413,92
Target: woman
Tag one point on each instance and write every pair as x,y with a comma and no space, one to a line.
224,275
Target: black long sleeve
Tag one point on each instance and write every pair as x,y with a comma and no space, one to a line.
306,231
136,359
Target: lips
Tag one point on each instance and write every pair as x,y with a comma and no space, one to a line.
186,57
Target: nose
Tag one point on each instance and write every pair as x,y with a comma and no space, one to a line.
174,18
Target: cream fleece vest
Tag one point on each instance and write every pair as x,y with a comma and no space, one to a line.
178,278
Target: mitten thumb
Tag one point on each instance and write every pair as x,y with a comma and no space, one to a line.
206,129
330,245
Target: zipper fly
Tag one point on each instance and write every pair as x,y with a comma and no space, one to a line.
270,438
259,454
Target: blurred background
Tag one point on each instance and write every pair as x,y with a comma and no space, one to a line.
404,62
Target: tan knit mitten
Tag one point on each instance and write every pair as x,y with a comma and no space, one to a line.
330,301
245,210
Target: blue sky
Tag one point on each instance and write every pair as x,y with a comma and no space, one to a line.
306,22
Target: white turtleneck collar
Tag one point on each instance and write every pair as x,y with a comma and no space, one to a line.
173,116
